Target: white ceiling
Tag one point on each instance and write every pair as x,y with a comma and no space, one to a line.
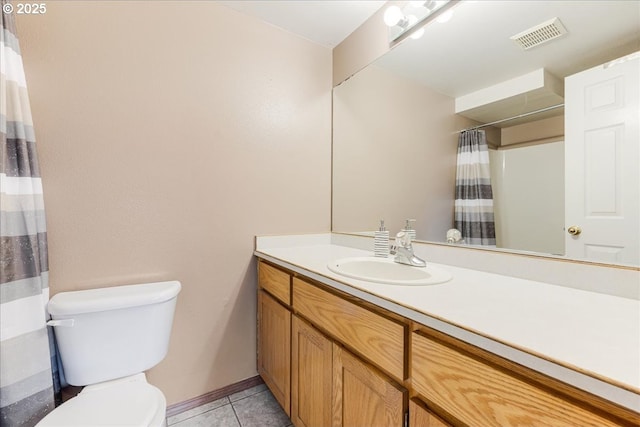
326,22
472,50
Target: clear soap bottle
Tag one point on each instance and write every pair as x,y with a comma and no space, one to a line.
381,241
409,229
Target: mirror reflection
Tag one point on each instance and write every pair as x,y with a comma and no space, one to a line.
559,114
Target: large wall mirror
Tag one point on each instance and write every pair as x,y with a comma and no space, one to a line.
396,125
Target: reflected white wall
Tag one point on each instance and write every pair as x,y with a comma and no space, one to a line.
529,214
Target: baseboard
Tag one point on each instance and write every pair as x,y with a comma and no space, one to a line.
180,407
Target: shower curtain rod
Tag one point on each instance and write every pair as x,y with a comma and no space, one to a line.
553,107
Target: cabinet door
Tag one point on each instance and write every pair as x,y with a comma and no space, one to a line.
372,336
362,396
274,348
419,416
311,376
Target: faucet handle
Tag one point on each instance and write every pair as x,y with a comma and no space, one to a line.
403,239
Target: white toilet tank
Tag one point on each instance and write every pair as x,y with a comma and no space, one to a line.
109,333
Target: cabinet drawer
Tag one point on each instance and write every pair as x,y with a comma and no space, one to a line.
478,393
274,281
376,338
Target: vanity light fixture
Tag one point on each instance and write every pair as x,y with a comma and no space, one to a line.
405,22
428,4
393,16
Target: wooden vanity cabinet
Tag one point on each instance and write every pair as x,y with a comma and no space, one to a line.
274,335
367,333
330,385
477,388
331,359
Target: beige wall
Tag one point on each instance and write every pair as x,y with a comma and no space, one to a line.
366,44
169,134
394,142
394,155
543,130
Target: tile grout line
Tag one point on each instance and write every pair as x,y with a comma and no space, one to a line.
229,402
288,424
197,415
201,413
233,408
248,396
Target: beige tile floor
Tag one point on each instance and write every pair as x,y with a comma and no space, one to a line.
254,407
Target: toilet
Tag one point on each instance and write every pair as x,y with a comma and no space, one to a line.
107,338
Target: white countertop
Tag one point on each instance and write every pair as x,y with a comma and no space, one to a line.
587,339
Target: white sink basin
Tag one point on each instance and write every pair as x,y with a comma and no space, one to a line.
385,270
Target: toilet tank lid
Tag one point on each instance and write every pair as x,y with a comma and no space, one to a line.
117,297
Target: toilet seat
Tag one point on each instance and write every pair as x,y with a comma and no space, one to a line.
130,403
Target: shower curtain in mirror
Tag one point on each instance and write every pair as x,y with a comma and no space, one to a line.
26,383
474,197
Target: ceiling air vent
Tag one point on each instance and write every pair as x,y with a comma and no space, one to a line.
542,33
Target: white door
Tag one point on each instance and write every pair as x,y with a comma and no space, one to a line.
602,158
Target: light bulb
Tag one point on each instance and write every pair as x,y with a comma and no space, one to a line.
392,16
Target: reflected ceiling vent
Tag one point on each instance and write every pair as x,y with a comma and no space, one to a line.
542,33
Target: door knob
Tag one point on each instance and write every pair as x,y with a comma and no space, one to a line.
574,230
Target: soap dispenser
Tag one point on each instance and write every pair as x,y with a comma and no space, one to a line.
409,229
381,241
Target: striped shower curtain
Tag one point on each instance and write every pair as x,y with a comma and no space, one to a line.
26,385
474,197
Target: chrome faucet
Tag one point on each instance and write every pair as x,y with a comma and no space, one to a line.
403,251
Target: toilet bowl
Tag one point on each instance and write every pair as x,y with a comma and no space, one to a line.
107,338
129,401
